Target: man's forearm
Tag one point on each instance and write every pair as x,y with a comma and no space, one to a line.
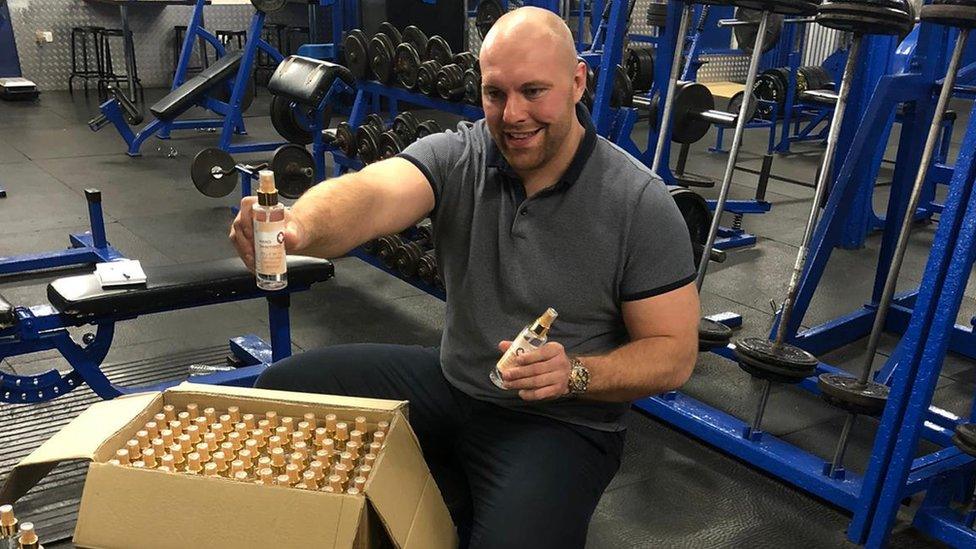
641,368
333,216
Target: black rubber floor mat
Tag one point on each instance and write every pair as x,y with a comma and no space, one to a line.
52,505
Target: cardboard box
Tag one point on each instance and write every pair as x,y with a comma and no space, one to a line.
130,508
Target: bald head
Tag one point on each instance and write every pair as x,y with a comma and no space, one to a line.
531,27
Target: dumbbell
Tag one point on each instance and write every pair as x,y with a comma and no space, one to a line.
427,269
428,127
355,47
427,76
212,171
345,140
405,125
387,246
693,111
438,50
416,37
382,49
406,65
450,79
409,253
368,138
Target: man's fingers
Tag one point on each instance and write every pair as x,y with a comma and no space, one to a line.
538,381
504,345
545,393
546,352
530,370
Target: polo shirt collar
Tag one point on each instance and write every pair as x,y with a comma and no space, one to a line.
497,160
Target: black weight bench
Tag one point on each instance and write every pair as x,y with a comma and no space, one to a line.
186,95
80,300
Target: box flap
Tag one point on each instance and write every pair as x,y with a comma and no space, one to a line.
193,511
336,401
79,439
405,496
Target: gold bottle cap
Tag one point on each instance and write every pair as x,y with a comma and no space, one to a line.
300,447
194,433
176,427
282,432
220,459
317,468
160,420
345,458
153,429
297,458
320,434
309,418
278,457
184,418
264,462
211,441
342,470
369,459
193,409
177,452
123,456
240,476
361,423
204,451
27,534
159,447
379,437
245,456
342,431
167,461
365,470
305,429
210,469
272,417
134,449
356,436
353,491
226,423
282,480
251,445
383,426
143,438
266,475
294,472
329,445
194,462
287,422
235,413
354,448
149,458
167,437
297,437
249,421
359,482
258,436
375,447
210,414
185,443
241,429
236,465
323,455
265,425
227,447
330,423
217,430
8,521
170,412
310,480
335,482
202,424
274,442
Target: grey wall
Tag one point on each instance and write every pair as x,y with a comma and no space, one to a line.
49,64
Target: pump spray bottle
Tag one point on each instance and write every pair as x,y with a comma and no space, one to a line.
530,338
270,265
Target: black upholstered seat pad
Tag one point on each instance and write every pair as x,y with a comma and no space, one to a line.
182,98
81,299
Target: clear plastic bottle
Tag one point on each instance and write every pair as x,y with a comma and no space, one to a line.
270,264
8,527
530,338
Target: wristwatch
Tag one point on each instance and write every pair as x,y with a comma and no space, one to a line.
579,377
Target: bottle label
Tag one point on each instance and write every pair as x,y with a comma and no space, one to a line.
520,346
269,247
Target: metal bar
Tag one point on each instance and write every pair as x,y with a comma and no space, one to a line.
130,51
664,125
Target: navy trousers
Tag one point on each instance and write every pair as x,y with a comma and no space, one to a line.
510,479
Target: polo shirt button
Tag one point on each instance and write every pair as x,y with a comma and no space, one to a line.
525,211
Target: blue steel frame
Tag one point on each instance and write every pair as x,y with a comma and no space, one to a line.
86,248
231,120
42,328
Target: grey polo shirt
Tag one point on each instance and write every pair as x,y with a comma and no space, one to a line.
607,232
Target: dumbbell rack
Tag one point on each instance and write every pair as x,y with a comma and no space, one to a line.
926,318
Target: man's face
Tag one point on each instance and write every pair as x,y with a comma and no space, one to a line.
529,94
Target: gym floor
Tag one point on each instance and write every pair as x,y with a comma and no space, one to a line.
670,491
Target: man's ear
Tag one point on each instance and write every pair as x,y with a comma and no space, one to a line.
579,81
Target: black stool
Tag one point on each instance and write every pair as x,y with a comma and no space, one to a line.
87,68
179,32
293,34
107,74
226,36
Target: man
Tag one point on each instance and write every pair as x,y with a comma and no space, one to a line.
530,210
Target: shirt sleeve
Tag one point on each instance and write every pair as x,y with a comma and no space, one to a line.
437,155
659,257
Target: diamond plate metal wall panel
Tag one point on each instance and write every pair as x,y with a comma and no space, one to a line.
49,64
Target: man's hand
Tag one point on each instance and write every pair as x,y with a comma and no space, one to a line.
242,232
543,374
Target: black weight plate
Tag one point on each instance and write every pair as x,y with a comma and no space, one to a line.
357,57
390,31
381,52
657,14
485,16
427,77
697,217
416,37
466,59
692,180
405,126
745,35
406,64
960,16
428,127
294,170
785,356
623,89
772,373
390,145
639,61
849,394
866,17
269,6
472,87
212,172
346,139
690,98
375,120
286,124
367,143
784,7
710,330
735,103
439,50
965,438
